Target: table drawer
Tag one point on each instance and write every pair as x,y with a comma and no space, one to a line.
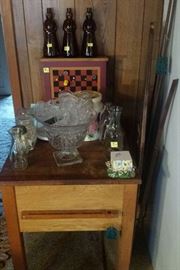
69,197
71,207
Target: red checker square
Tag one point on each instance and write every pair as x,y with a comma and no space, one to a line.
89,77
72,72
55,78
78,88
78,78
61,79
83,83
89,88
66,77
73,83
61,83
56,89
83,72
94,83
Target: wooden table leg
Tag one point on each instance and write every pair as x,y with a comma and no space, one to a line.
14,234
126,238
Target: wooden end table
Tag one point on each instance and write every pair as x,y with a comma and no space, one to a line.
79,197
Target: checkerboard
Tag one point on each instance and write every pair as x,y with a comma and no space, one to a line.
74,80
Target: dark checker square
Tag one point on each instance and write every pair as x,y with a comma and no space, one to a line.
72,77
56,83
73,89
78,83
61,78
89,72
78,72
55,72
89,83
83,78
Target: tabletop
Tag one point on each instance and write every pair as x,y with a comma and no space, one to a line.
42,168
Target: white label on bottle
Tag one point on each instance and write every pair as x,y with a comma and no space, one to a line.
90,44
49,45
67,48
114,144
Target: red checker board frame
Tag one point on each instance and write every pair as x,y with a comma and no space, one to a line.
81,74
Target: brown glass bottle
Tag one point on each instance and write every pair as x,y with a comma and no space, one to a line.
51,46
69,48
89,47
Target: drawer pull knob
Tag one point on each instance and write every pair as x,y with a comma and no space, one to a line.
112,233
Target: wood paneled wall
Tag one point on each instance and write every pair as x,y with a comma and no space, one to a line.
122,35
28,22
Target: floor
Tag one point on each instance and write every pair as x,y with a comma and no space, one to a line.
71,251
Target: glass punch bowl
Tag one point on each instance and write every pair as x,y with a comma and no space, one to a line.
66,122
66,140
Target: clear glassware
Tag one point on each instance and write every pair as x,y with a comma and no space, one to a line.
66,140
23,118
19,148
66,122
104,120
113,133
95,97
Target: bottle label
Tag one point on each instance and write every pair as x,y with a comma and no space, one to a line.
66,48
90,44
114,144
49,45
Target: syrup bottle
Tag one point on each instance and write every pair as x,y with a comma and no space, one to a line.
51,46
89,47
70,48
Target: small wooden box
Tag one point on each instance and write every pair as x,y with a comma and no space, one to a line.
75,74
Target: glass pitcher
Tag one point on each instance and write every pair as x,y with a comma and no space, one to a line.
113,134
